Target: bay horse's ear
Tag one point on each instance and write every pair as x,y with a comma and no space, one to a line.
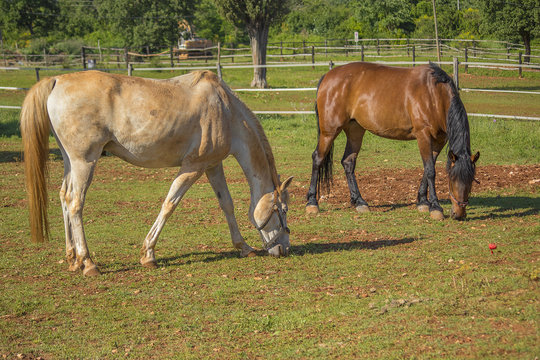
286,183
475,157
452,156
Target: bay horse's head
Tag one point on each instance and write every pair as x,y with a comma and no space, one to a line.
270,217
461,174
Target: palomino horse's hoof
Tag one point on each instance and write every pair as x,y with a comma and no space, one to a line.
91,271
362,209
150,264
312,209
437,215
423,208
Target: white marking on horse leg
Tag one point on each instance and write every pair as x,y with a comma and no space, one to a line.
180,185
79,181
219,184
70,247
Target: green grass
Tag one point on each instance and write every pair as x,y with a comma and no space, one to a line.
388,284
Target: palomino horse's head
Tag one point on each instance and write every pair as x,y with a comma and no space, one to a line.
461,171
270,217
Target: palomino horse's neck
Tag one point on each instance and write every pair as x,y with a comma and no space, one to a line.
251,149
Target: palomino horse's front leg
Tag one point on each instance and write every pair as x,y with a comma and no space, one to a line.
185,178
219,184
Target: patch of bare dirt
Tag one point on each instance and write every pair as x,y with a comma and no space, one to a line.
386,188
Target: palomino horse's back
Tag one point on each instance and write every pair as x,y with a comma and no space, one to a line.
146,122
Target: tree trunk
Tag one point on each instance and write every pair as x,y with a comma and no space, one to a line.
526,36
258,38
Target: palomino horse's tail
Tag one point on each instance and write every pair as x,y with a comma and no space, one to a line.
35,128
324,180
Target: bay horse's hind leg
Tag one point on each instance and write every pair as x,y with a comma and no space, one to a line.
76,185
219,184
322,154
183,181
355,134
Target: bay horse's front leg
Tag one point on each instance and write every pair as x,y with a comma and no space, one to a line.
183,181
219,184
428,180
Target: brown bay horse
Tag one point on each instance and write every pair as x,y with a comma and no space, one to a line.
192,122
419,103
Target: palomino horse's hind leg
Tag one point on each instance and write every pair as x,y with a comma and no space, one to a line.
217,180
70,247
183,181
355,134
428,179
77,184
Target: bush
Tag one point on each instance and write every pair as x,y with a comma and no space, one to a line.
71,47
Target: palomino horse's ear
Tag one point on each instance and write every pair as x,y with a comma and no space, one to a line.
452,156
475,157
286,183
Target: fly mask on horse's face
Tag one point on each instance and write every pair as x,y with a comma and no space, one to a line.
270,217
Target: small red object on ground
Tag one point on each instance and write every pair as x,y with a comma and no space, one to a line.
492,247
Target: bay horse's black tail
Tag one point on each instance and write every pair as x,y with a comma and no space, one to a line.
457,130
324,179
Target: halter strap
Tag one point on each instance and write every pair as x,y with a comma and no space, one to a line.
282,227
461,204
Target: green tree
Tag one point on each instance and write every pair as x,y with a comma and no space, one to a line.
145,22
256,16
512,19
36,17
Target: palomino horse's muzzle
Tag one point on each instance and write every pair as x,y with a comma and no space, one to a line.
273,246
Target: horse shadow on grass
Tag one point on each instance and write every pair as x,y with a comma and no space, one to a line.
295,250
505,207
18,156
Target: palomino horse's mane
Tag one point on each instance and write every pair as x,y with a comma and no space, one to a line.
229,96
457,130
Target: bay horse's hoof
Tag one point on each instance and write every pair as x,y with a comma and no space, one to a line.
437,215
312,209
91,271
362,209
423,208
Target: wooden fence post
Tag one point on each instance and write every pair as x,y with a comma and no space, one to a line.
378,49
126,56
520,62
325,47
456,72
130,69
83,57
362,51
413,55
218,65
312,57
466,60
172,55
408,45
37,74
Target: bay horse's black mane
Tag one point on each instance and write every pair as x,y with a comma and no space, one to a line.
457,131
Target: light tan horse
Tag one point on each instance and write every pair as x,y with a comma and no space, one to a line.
193,121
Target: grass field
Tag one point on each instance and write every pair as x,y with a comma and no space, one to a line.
389,284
